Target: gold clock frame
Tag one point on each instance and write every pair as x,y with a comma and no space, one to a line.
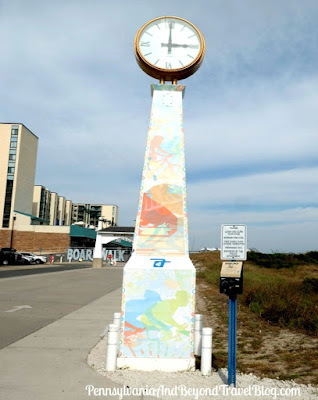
164,74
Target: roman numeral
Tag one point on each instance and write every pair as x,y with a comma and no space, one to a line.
146,44
168,65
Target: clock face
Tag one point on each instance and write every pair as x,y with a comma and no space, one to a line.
169,44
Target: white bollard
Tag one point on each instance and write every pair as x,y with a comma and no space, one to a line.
198,322
206,354
117,316
111,352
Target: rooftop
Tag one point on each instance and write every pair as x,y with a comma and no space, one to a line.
127,229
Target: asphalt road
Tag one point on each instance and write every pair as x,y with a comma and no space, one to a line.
18,270
30,302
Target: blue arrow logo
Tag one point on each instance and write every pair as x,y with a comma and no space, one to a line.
159,262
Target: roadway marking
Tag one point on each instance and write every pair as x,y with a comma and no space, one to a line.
16,308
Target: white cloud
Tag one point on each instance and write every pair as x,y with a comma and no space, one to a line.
253,125
295,231
284,188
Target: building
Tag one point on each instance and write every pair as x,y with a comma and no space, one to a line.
18,153
32,218
88,214
61,210
125,232
54,199
56,210
68,212
113,236
41,203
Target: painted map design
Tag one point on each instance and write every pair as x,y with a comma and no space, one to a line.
159,313
158,296
161,224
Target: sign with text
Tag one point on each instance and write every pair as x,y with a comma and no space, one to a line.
233,242
231,269
87,255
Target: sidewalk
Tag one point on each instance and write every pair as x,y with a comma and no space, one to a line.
50,364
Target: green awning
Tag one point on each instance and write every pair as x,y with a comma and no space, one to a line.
79,231
33,217
124,243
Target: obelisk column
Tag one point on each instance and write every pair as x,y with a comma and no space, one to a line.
159,279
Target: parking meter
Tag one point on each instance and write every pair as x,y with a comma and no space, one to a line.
231,278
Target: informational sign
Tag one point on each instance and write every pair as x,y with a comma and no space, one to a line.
233,242
231,269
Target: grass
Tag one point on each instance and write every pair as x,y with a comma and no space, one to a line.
289,297
279,288
282,260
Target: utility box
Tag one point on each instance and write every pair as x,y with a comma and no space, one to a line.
231,278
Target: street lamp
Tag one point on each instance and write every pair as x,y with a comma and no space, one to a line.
11,240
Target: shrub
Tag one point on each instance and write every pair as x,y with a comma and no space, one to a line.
284,299
310,285
283,303
275,260
282,260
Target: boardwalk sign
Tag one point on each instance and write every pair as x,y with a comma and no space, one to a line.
87,255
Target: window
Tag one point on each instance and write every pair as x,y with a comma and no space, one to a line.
6,220
9,188
7,204
14,130
11,165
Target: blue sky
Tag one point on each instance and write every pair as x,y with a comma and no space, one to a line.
67,71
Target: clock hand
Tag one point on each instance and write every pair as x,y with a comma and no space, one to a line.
191,46
170,39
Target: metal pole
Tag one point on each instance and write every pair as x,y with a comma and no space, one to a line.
11,240
232,340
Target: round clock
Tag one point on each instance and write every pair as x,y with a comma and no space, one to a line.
169,48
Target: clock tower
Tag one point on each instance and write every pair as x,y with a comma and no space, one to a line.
158,300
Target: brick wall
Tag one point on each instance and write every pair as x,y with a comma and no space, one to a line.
33,241
5,236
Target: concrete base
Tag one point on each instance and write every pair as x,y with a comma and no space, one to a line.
97,262
157,364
